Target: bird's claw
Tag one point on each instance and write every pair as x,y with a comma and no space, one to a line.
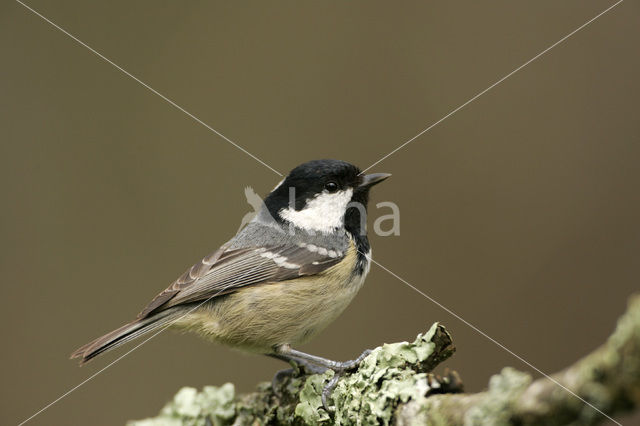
297,368
326,393
339,371
278,378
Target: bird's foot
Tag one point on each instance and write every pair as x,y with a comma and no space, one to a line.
339,369
317,365
298,368
278,378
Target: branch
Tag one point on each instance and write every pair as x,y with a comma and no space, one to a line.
394,385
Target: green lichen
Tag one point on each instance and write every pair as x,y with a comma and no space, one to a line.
309,407
369,396
504,390
189,407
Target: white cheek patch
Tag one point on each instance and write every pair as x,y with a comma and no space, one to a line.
323,213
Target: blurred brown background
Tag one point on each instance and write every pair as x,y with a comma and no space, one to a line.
520,212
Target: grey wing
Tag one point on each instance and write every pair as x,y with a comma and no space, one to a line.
225,271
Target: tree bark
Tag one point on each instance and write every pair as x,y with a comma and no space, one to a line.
394,385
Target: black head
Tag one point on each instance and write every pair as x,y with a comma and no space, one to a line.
316,194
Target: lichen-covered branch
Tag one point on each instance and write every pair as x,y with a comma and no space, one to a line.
393,385
608,379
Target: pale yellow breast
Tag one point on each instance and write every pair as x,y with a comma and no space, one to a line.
258,317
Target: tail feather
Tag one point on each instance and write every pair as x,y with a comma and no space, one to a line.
123,335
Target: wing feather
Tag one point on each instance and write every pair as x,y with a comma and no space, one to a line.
224,271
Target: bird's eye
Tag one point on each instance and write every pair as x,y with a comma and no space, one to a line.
331,186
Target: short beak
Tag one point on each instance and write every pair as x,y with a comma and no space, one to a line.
373,178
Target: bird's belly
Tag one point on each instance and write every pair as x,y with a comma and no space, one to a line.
258,318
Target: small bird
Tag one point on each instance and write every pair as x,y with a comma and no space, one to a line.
281,279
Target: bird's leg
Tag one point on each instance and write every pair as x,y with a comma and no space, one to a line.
286,352
308,366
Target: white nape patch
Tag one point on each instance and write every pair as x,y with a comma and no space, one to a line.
323,213
279,260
